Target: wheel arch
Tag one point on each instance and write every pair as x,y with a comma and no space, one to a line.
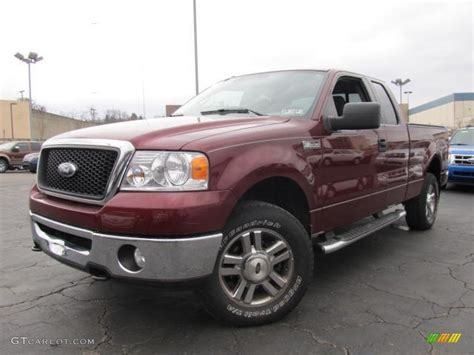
434,167
284,192
6,157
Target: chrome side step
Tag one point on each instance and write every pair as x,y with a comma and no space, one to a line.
354,234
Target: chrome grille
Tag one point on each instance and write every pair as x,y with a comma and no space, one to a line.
464,159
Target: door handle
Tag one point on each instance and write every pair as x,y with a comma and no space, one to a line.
382,145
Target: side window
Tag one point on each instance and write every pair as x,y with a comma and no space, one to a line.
23,147
35,147
388,112
347,90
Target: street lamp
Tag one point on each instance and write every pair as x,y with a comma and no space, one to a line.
32,58
399,82
11,117
408,93
195,49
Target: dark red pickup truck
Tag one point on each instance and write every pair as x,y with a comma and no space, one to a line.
235,189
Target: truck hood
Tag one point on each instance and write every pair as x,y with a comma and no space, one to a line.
461,149
171,132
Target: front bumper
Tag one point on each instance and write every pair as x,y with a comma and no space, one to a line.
461,174
143,214
167,260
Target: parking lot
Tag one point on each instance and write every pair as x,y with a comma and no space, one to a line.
384,294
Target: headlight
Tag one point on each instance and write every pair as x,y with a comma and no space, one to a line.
451,158
167,171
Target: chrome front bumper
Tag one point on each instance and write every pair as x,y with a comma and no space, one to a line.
173,259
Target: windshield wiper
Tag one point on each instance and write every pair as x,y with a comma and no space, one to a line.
459,144
225,111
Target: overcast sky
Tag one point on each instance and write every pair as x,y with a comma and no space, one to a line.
106,54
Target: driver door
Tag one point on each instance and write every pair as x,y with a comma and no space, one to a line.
351,182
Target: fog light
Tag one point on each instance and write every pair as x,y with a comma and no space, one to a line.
130,259
139,258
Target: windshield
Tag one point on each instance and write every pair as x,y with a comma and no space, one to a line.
285,93
463,137
7,146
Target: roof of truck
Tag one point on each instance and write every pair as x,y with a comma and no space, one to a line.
329,70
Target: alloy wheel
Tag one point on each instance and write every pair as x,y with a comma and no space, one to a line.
431,203
256,267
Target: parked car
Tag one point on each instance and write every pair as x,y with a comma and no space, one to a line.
461,157
12,153
231,193
30,162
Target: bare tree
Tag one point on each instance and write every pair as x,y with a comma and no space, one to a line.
38,107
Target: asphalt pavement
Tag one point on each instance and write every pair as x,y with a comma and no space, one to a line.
383,294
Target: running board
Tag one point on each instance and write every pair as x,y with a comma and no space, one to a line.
342,240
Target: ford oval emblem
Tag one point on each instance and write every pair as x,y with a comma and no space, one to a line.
67,170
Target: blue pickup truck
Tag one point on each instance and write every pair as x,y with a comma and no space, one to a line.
461,157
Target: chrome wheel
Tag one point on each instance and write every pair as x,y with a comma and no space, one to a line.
431,203
256,267
3,165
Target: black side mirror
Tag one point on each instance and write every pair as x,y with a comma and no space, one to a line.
357,115
15,150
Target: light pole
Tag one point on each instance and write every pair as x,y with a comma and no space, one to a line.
32,58
21,93
195,48
408,93
11,117
399,82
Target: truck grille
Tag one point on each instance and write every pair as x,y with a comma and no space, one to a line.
94,168
464,159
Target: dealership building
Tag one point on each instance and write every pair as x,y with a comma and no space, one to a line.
453,111
15,122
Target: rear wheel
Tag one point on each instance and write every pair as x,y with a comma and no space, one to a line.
263,267
422,210
3,165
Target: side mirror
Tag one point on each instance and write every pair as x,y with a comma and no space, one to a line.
15,150
357,115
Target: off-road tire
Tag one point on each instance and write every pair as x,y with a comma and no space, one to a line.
255,216
417,208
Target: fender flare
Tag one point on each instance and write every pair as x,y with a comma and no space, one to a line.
436,156
244,171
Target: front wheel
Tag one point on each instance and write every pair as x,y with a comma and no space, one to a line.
263,267
422,210
3,166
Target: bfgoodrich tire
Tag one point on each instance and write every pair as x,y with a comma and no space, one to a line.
422,210
263,267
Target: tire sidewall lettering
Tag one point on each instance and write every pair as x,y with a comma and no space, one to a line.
253,224
270,309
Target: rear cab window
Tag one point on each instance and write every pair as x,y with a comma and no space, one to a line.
389,115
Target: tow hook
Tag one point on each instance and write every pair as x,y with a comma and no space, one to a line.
99,278
35,247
